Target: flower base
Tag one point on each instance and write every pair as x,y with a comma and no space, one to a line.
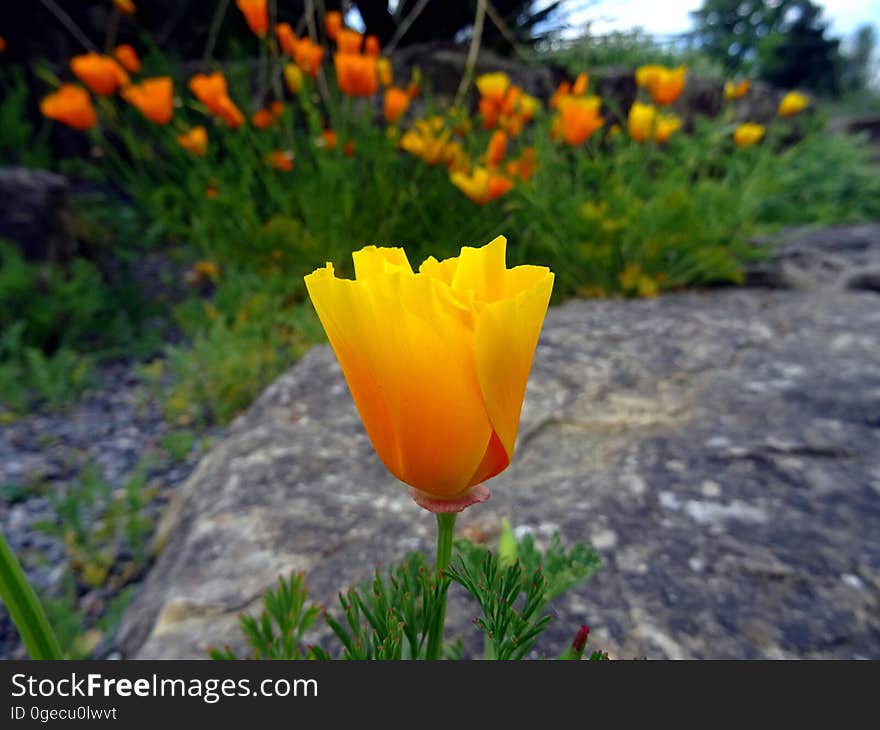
479,493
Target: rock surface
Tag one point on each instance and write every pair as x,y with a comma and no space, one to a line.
841,257
720,450
35,214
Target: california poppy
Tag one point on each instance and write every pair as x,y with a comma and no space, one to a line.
128,57
356,74
349,41
579,118
436,361
70,105
308,56
102,74
255,14
333,22
371,46
286,38
666,84
396,103
153,97
792,103
641,121
497,148
481,185
745,135
665,126
194,141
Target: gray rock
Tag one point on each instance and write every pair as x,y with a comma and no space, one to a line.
34,213
721,450
841,257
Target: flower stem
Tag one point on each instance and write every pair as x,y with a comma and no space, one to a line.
445,527
24,607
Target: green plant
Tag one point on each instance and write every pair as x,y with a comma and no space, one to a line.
391,617
104,531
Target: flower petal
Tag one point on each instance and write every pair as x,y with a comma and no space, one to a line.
406,346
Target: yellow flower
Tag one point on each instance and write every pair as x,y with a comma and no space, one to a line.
436,361
736,90
384,72
792,103
645,75
481,186
666,84
293,77
665,126
641,121
493,86
745,135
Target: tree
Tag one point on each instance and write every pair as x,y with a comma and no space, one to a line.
859,58
784,41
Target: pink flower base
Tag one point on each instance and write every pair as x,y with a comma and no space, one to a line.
479,493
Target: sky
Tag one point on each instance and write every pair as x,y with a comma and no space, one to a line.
664,17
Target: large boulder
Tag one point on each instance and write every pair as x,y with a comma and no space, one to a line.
35,213
720,450
836,257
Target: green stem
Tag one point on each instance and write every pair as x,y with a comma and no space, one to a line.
24,607
445,527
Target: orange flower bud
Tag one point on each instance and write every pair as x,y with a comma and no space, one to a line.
309,56
286,38
396,103
356,74
194,141
579,88
126,7
70,105
333,23
497,148
281,160
371,46
256,15
102,74
153,97
349,41
128,57
579,118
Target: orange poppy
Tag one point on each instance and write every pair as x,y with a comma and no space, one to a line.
525,166
563,90
128,57
666,84
579,118
348,41
102,74
194,141
281,160
371,46
328,139
481,186
333,23
396,104
308,56
489,112
286,38
125,6
579,88
356,74
497,148
229,113
70,105
255,14
153,97
209,89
